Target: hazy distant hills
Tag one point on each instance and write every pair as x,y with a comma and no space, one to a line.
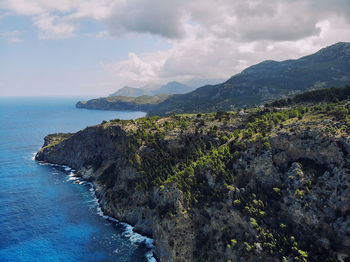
262,82
169,88
266,81
130,92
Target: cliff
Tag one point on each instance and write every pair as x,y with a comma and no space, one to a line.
267,184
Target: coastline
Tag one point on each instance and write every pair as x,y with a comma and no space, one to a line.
217,225
129,232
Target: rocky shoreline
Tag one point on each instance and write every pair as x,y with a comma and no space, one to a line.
101,207
289,200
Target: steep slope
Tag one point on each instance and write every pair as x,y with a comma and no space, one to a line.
266,184
261,83
266,81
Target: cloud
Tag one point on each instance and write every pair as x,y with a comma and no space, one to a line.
157,17
205,56
220,38
276,20
54,27
209,38
13,36
58,19
250,20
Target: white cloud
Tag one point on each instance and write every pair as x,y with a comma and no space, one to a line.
53,27
16,40
210,38
59,19
204,56
276,20
250,20
13,36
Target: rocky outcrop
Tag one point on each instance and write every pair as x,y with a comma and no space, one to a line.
101,152
292,197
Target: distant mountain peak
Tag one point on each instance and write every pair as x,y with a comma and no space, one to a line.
172,87
264,82
337,49
174,82
338,45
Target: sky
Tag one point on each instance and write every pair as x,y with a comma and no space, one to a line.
95,47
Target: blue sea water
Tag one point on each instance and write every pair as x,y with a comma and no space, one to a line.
44,216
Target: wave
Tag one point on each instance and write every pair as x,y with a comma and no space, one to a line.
33,156
128,229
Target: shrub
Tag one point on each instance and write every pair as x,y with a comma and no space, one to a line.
276,189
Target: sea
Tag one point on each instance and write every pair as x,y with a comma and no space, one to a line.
44,215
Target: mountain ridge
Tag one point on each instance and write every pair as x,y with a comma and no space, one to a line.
266,81
261,83
172,87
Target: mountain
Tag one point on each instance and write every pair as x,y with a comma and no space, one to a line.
130,92
141,103
173,88
169,88
264,82
266,184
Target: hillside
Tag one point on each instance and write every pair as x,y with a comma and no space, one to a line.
266,81
169,88
141,103
263,83
264,184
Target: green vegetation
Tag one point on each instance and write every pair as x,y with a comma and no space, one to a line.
139,100
258,84
55,139
197,154
141,103
328,95
200,154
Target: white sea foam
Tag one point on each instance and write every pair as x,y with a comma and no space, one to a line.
135,237
33,157
150,257
71,177
128,231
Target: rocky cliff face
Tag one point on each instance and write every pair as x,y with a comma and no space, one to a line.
102,151
288,200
